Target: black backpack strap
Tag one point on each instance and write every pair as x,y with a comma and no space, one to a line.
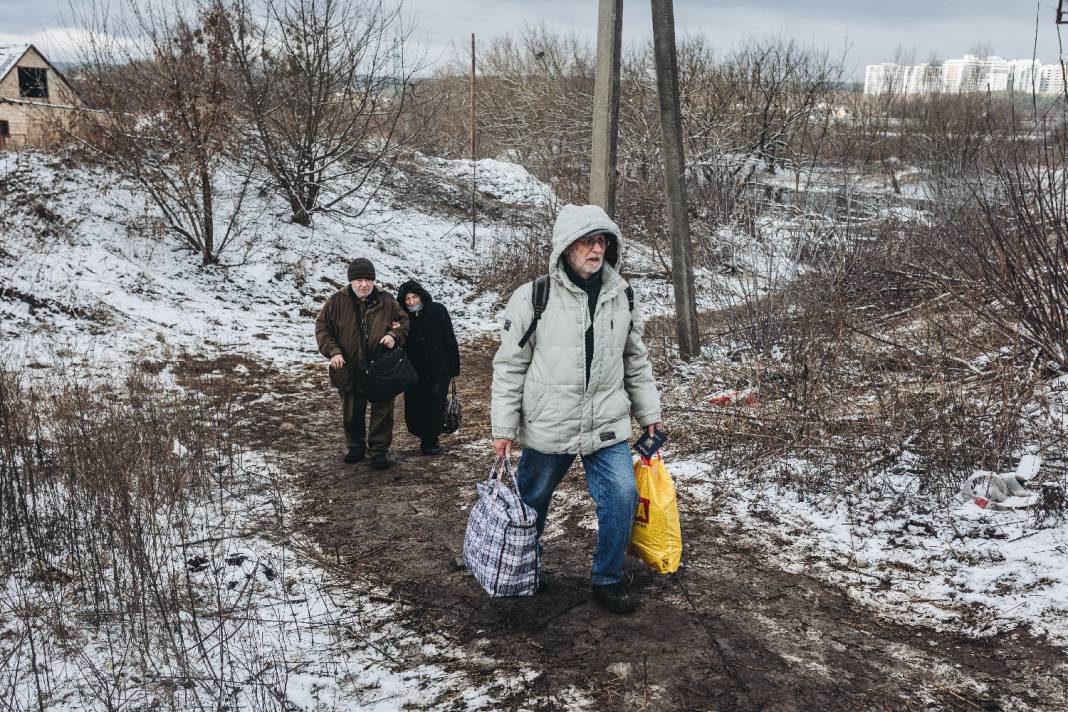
539,295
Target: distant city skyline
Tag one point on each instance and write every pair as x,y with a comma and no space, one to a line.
969,73
875,32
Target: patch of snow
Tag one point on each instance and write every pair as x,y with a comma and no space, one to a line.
269,626
960,568
9,54
501,180
105,287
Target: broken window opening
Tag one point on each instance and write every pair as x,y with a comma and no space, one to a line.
33,83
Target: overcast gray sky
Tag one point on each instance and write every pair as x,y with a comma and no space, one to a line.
873,29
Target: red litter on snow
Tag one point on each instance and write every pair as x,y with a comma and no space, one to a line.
747,396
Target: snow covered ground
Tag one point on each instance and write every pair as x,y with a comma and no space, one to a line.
88,288
101,286
84,280
959,568
269,629
86,275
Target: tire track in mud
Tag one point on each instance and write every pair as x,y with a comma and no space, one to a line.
730,631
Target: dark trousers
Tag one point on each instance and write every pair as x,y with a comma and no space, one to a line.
353,411
424,409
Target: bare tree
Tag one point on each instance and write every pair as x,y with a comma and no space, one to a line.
324,85
535,102
706,123
781,88
159,88
881,125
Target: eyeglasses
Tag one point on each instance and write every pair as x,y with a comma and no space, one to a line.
589,241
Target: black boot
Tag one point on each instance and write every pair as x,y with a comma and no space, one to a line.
380,461
616,598
430,448
354,455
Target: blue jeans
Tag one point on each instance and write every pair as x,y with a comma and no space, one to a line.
610,480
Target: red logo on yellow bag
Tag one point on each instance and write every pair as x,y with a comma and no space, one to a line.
642,515
656,537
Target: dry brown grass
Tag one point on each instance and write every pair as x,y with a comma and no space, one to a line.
861,368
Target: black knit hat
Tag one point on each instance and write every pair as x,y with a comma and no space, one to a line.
361,268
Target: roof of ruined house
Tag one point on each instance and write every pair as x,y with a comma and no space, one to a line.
9,55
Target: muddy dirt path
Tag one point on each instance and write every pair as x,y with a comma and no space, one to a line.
728,632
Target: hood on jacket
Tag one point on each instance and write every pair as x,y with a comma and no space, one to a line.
574,221
412,286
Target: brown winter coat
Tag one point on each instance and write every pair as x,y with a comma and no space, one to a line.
337,331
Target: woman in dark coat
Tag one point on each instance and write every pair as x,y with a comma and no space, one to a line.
433,351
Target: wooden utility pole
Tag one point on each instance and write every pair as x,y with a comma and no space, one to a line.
606,105
473,189
667,87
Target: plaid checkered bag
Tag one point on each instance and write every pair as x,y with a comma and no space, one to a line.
501,543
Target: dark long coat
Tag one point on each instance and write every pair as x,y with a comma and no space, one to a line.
431,343
435,355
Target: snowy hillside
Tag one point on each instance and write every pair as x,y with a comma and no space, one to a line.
87,284
88,288
82,268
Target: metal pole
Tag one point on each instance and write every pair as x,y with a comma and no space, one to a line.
667,87
473,189
606,105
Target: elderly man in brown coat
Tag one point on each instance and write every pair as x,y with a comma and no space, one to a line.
349,328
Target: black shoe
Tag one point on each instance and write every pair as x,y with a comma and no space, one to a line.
616,598
380,462
434,449
354,455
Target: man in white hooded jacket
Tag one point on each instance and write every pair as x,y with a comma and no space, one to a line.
572,388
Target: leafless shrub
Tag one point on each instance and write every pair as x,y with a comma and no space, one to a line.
535,103
158,87
856,357
534,98
520,256
449,134
323,87
1002,235
102,498
781,92
764,107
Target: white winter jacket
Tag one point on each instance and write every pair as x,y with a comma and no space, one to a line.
540,394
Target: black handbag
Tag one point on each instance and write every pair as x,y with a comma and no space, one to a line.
453,413
388,374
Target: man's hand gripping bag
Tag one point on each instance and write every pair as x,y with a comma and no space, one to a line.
656,537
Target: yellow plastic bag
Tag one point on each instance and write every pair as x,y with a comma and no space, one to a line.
656,537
